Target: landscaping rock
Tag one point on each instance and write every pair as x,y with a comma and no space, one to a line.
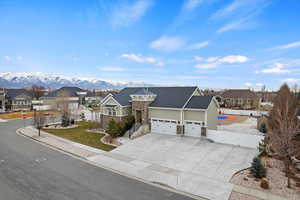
264,183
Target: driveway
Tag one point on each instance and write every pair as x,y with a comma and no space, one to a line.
192,165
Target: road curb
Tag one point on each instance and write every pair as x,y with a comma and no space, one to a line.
84,159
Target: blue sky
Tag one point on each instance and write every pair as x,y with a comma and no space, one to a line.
209,43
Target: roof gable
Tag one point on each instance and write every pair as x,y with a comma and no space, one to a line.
199,102
67,91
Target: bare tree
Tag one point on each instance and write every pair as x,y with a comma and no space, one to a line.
283,126
63,104
37,91
39,120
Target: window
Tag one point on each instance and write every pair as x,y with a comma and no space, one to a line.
111,112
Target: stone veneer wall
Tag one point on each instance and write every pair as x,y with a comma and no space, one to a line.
143,106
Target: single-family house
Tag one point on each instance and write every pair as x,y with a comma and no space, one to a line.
71,96
15,100
240,98
167,110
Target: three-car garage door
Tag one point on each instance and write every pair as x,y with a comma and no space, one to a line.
164,126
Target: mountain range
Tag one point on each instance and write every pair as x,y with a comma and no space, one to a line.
25,79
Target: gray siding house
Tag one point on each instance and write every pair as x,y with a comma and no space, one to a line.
15,100
167,110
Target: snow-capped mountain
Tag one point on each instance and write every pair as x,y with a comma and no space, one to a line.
19,80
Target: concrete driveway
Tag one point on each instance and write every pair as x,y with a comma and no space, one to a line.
192,165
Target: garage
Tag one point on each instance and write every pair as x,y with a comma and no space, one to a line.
192,128
164,126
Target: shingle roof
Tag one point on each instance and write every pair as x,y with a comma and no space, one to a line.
12,93
199,102
239,93
69,91
167,97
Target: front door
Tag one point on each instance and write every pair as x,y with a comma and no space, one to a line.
139,116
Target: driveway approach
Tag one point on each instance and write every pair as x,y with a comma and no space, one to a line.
30,171
188,164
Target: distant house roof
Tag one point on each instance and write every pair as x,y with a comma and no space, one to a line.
68,91
239,93
12,93
199,102
144,91
166,97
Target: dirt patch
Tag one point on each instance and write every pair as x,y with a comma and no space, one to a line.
275,176
239,196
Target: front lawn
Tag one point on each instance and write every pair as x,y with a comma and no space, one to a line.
82,136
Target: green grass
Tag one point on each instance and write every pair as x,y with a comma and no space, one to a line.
80,135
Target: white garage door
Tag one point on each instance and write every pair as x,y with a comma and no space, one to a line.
163,126
192,128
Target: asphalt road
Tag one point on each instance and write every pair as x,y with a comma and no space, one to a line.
31,171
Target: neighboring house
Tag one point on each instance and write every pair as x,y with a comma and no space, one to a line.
72,96
93,98
167,110
2,100
15,100
266,96
240,99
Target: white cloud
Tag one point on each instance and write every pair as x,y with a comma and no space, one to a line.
191,4
291,80
198,45
286,46
111,69
127,14
7,58
234,59
248,84
166,43
259,84
230,8
241,13
278,68
206,65
235,25
226,59
212,59
198,58
214,62
141,59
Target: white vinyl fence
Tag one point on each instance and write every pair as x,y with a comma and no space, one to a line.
254,113
42,107
240,139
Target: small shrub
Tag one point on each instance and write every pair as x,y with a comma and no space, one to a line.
257,168
65,120
263,128
113,129
264,183
82,116
262,148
